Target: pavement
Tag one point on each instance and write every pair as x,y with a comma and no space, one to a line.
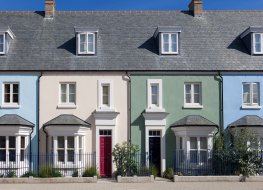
109,185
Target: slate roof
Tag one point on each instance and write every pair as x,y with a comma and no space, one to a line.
194,120
126,41
13,119
67,120
248,121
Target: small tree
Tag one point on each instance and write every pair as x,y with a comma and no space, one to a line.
124,157
245,151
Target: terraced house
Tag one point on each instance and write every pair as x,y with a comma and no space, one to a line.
74,84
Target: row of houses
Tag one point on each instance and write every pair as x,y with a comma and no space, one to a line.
81,82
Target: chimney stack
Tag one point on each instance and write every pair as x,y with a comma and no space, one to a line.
196,7
49,8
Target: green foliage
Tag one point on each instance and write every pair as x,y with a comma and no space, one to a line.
125,159
155,171
48,171
75,173
90,172
168,173
11,174
238,156
28,174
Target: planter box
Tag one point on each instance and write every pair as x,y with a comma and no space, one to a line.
206,178
50,180
135,179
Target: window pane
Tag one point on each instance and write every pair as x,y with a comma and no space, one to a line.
70,142
3,155
174,42
203,143
196,98
72,88
63,98
105,93
193,142
196,88
188,98
22,142
193,156
90,43
246,93
155,92
1,39
82,38
258,42
61,142
15,98
12,155
72,98
15,88
61,156
63,88
83,47
188,88
165,38
255,93
2,142
12,142
7,88
203,156
70,155
22,155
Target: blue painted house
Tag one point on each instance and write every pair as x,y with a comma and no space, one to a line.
18,121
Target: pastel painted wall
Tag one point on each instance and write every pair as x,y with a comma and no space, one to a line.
28,101
173,101
86,97
233,96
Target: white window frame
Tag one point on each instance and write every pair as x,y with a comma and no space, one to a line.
17,149
87,49
150,106
170,43
10,104
78,158
4,44
67,104
192,104
254,43
251,104
101,106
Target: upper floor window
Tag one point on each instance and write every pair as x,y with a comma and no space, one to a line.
154,94
68,93
2,44
257,43
11,94
86,43
105,95
169,43
251,94
193,95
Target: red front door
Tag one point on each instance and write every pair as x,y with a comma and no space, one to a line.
105,156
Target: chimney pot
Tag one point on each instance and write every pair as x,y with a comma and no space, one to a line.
49,8
196,7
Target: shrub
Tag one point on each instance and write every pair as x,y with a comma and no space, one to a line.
125,158
155,171
28,174
11,174
48,171
168,173
90,172
75,173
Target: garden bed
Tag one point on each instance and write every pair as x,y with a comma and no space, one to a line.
217,178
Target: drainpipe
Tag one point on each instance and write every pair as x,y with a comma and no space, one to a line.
129,107
38,116
222,101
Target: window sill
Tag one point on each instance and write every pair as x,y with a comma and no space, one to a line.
193,106
105,109
67,106
10,106
155,109
251,107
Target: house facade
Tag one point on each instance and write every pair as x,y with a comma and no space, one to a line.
175,114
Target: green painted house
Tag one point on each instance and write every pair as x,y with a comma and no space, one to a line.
175,116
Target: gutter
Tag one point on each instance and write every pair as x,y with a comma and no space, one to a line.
129,107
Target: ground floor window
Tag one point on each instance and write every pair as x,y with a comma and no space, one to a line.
13,148
68,148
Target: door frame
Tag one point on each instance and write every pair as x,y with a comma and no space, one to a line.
98,128
162,137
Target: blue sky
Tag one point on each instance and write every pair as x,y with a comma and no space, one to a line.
131,4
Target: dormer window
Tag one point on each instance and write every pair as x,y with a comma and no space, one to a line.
86,43
168,38
169,43
257,43
2,43
86,40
